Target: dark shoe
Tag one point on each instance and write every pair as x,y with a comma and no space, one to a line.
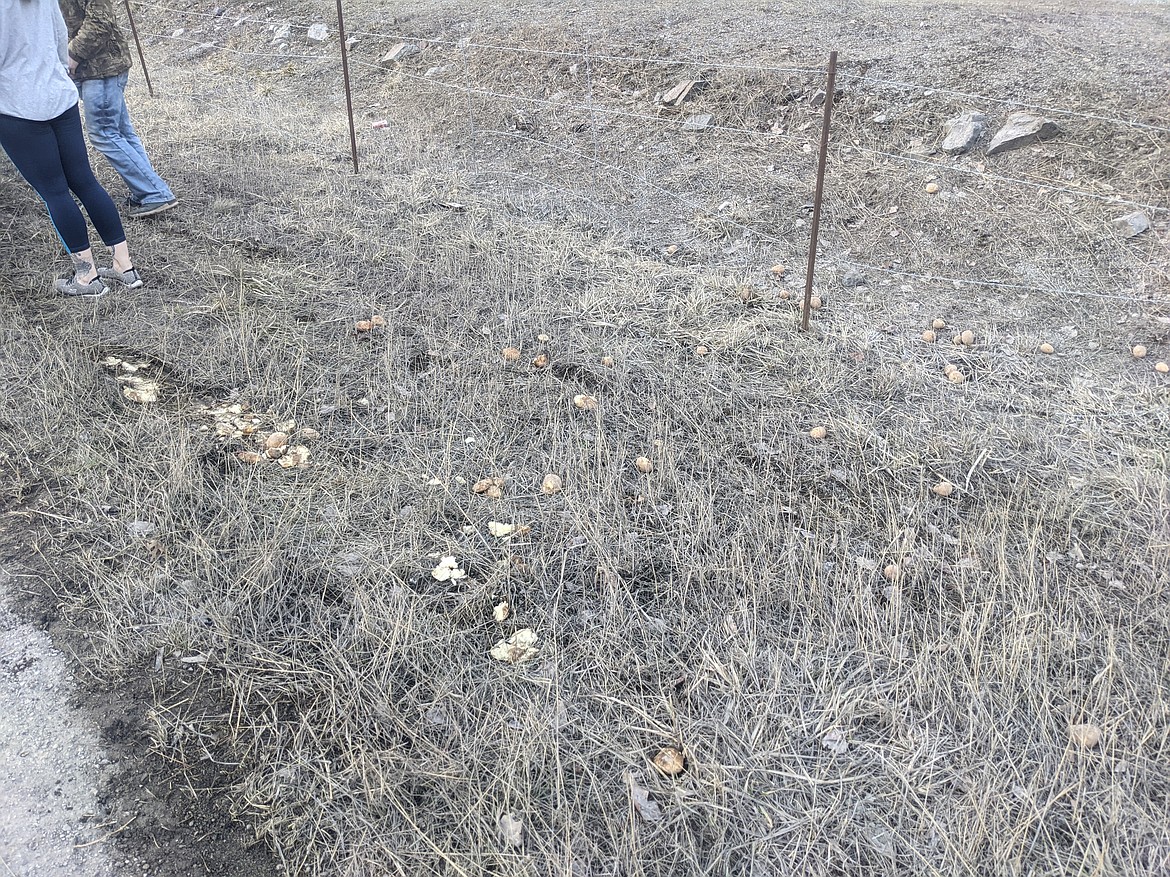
74,288
130,279
140,211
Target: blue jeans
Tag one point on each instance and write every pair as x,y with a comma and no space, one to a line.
108,123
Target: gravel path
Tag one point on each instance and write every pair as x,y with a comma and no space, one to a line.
51,824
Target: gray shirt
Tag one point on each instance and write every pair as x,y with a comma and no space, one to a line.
34,54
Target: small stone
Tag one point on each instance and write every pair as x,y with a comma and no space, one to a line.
400,52
679,93
963,132
853,277
698,122
1132,224
318,32
1022,129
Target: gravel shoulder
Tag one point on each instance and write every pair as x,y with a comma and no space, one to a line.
51,823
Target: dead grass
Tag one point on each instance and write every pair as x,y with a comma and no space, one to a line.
731,602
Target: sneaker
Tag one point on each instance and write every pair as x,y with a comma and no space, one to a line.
74,288
139,211
130,279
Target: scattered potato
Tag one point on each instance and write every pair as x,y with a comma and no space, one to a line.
510,354
784,295
541,360
378,321
643,465
551,484
943,488
1085,736
939,323
1047,348
967,337
892,572
956,377
1139,351
363,325
815,303
670,761
928,336
585,402
296,456
672,249
494,492
607,361
778,270
702,350
250,456
932,188
542,338
1162,368
276,440
818,432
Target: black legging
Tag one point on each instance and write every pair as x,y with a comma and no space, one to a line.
51,156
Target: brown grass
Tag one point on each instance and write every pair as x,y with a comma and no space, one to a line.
731,602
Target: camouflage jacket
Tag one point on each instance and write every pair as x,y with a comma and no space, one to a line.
96,40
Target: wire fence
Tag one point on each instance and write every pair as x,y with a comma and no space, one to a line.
443,77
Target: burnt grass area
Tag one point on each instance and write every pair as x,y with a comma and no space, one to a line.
538,271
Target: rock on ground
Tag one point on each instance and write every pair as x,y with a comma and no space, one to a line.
963,132
1022,129
51,824
1132,224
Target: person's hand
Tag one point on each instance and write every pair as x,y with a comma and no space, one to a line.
72,66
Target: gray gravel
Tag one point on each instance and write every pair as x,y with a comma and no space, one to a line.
51,824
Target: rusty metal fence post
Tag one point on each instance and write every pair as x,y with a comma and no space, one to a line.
138,43
816,216
348,96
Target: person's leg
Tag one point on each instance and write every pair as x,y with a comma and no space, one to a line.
110,131
74,161
32,147
98,203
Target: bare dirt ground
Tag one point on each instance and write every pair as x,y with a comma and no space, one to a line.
862,676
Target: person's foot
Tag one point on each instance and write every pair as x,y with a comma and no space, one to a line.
129,278
71,287
140,211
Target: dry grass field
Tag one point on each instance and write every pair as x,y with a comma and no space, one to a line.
863,676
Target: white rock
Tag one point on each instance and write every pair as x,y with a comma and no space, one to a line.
318,32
